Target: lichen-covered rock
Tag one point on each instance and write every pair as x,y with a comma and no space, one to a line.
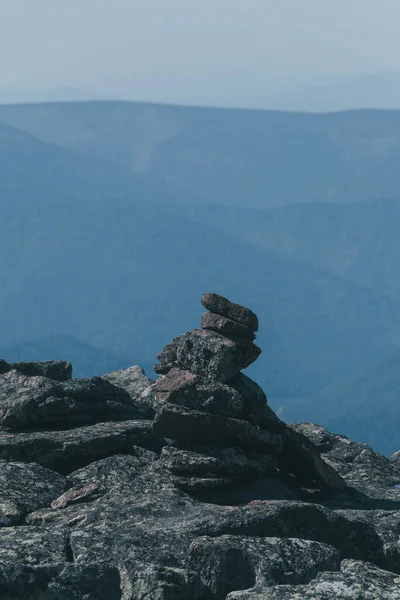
34,545
355,581
133,380
300,457
187,389
395,460
255,405
66,451
236,562
222,306
25,488
367,471
58,581
209,354
59,370
39,402
188,425
213,459
156,582
226,327
119,469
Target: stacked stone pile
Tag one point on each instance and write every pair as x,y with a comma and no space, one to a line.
223,432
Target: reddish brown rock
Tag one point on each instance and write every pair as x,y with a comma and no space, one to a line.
226,326
75,494
187,389
222,306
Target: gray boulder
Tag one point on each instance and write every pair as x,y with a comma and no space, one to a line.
188,425
59,370
355,581
187,389
58,581
369,472
66,451
133,380
209,354
215,460
156,582
236,562
25,488
38,402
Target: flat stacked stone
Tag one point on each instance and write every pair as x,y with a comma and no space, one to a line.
222,306
221,430
228,318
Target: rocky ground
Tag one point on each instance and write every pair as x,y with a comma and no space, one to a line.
187,488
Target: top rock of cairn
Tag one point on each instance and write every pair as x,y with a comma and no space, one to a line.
221,430
222,306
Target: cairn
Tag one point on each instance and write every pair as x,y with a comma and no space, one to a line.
220,428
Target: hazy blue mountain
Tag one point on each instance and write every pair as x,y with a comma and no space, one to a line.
364,406
359,242
232,157
37,170
85,358
378,90
31,168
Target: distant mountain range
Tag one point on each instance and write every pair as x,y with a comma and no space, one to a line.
377,90
357,242
359,405
241,158
323,93
116,217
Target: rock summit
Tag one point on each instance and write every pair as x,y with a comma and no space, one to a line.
188,487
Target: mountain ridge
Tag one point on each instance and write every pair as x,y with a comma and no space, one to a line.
231,156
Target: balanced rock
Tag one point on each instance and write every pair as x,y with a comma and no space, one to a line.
226,326
222,306
209,354
203,399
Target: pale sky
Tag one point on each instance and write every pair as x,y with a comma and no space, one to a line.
182,49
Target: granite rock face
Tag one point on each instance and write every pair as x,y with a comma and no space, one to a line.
189,487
